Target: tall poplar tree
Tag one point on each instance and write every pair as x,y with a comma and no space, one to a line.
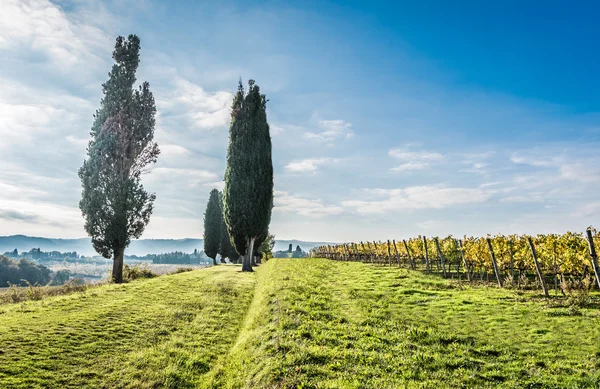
212,226
248,193
114,204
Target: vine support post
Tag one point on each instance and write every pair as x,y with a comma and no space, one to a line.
375,252
411,263
427,267
494,263
462,254
593,255
389,254
397,255
537,266
442,259
364,251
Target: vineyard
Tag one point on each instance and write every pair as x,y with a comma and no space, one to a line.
513,260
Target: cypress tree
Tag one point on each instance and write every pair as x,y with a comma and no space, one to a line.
212,226
226,249
114,203
248,193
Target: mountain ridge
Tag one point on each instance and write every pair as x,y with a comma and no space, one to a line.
140,247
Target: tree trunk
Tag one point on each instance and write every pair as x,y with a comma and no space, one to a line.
223,259
117,272
247,264
215,261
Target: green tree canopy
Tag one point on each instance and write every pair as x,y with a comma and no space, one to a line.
248,193
114,203
226,248
212,226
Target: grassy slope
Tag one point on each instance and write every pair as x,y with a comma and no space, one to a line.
163,332
297,323
316,323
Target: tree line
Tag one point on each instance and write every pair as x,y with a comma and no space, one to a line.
24,272
114,203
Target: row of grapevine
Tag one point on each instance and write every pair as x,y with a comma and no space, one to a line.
544,257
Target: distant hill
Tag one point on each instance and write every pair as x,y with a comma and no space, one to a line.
141,247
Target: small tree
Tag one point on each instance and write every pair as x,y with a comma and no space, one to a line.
265,250
212,226
114,203
290,248
226,248
248,193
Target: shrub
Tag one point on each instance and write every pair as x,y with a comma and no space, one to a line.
577,291
137,271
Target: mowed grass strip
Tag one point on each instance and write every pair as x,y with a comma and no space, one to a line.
166,332
316,323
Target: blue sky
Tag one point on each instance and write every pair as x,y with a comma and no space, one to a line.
388,119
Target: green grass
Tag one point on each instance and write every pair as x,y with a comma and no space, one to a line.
162,332
299,323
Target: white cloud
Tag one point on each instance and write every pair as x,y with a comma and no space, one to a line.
201,109
529,198
41,26
168,150
537,161
424,156
581,172
410,166
276,130
414,160
416,197
587,210
181,176
285,202
308,165
331,130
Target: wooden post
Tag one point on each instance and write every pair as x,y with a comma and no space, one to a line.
356,251
389,254
462,254
442,259
364,251
427,268
537,266
376,253
457,262
397,255
512,257
410,260
593,255
494,263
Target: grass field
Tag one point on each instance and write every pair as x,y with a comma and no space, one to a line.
299,323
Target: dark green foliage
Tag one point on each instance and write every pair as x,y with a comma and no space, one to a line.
22,272
212,226
298,249
265,247
248,193
226,248
114,203
39,255
60,277
176,257
290,248
137,271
